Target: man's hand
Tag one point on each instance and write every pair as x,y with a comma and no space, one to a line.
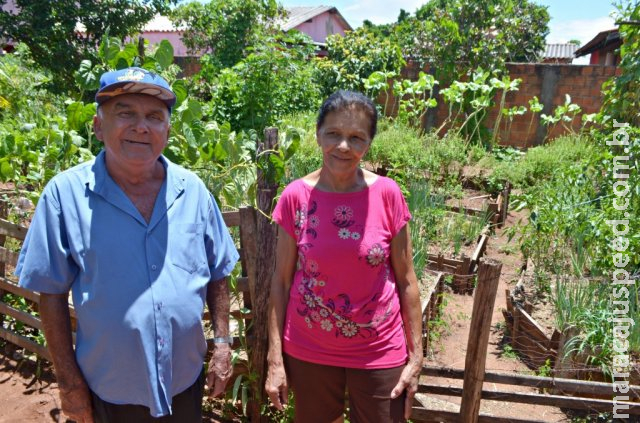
220,369
76,403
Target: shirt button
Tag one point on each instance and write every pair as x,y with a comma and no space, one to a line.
153,267
159,306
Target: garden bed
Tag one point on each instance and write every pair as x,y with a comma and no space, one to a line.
478,203
462,266
541,345
431,287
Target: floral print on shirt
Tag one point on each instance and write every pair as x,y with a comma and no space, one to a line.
336,314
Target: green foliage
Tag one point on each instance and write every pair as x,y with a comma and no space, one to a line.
456,36
621,101
40,135
539,164
308,157
50,29
416,97
224,30
564,113
352,58
274,80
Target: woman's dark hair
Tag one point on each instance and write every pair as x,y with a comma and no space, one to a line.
341,100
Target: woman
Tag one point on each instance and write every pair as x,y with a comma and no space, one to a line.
345,306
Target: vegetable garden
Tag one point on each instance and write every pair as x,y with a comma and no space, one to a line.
578,194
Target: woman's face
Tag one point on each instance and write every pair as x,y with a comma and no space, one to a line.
344,139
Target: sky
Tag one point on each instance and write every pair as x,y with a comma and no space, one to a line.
570,19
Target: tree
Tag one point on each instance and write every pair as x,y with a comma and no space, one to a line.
61,33
225,28
457,36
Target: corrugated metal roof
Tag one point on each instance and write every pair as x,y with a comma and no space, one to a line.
559,51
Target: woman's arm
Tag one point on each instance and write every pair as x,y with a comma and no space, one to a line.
286,256
402,263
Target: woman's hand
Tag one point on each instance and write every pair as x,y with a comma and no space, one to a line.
276,385
409,381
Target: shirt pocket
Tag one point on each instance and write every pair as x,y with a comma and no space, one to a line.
187,240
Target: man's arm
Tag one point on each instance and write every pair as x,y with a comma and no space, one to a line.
220,370
74,392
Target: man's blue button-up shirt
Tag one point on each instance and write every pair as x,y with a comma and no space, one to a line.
138,288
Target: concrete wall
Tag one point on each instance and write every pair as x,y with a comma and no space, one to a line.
550,83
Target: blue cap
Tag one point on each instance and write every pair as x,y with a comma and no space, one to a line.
134,81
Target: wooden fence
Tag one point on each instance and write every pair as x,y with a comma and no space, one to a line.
568,393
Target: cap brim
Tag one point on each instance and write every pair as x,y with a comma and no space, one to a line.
129,87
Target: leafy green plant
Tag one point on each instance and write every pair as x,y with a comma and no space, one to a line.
563,113
352,58
273,81
505,85
416,97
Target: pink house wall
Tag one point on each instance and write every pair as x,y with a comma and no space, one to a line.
321,26
154,37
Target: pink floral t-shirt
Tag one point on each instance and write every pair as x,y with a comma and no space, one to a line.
343,305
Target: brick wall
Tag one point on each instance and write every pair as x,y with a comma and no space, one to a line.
550,83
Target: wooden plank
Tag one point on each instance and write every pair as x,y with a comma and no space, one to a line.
7,285
231,218
234,313
480,249
249,242
440,258
26,343
533,351
575,403
8,257
532,328
20,315
427,415
13,230
475,360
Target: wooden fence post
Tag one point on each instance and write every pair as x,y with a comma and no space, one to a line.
265,266
474,367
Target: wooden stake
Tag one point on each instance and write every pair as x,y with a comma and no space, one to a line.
475,362
265,266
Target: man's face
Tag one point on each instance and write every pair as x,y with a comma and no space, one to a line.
134,129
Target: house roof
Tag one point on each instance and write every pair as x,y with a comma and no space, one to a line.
297,15
559,51
610,37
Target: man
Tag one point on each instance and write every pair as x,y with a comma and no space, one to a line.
141,245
